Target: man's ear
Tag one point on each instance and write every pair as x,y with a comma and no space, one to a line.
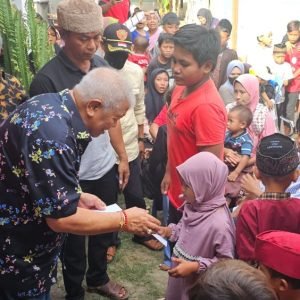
93,106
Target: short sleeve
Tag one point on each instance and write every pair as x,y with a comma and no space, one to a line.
209,124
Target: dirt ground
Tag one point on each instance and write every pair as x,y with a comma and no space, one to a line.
136,267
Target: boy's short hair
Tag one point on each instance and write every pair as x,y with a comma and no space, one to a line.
141,43
231,279
293,25
225,25
165,38
277,155
202,43
272,245
279,48
244,113
170,19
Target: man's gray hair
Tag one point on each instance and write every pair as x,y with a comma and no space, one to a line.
106,84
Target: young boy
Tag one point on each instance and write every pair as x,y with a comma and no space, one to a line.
170,23
282,73
163,60
196,117
278,255
230,279
276,166
139,54
237,140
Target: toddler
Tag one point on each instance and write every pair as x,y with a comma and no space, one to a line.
237,140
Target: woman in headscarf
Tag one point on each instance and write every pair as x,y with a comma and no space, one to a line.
157,86
206,19
246,92
234,69
206,232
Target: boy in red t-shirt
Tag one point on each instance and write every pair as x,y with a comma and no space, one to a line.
139,54
196,117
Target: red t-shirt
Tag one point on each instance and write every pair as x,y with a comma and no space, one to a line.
293,58
161,118
118,11
197,120
141,60
260,215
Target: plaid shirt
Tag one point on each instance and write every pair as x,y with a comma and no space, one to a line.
274,196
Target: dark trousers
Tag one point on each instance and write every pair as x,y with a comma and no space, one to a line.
133,192
74,251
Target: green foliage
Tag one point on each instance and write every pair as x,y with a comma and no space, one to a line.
25,40
164,5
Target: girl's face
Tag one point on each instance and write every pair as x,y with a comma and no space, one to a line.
161,83
241,95
293,36
188,193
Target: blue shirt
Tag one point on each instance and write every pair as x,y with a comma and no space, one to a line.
40,148
242,144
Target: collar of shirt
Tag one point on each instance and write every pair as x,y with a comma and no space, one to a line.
80,131
63,58
274,196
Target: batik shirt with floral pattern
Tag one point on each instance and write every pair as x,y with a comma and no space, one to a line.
40,148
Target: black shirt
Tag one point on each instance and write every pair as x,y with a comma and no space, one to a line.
60,73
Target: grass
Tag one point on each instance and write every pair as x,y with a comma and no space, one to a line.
135,267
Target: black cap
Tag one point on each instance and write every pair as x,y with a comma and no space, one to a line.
118,38
277,155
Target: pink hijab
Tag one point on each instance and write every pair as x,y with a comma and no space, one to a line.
263,123
251,85
206,175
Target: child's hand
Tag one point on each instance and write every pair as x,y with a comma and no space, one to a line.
184,268
233,176
232,158
164,231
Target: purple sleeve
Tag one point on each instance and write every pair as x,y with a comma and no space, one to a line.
175,231
224,248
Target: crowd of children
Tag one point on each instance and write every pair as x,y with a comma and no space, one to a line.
214,123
